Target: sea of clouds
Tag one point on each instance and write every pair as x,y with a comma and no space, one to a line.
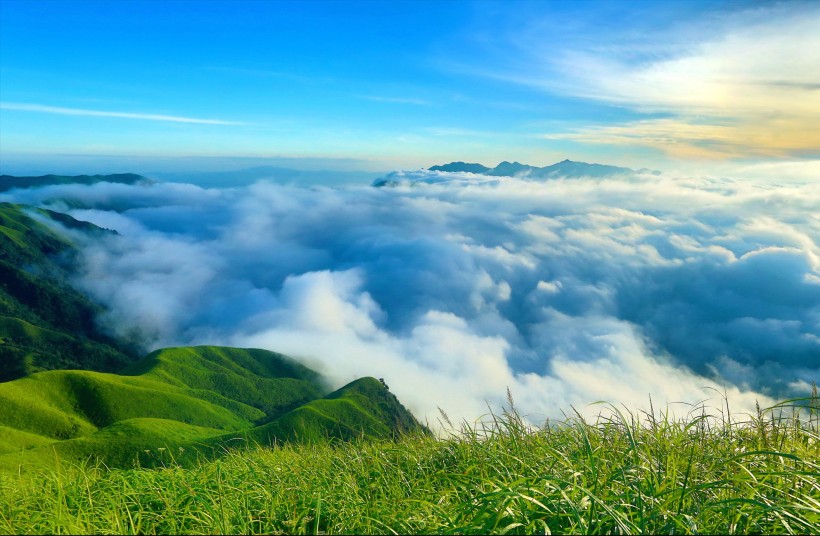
455,287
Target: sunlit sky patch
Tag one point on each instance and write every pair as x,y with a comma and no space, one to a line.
410,84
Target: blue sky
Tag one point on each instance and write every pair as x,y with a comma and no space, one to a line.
410,84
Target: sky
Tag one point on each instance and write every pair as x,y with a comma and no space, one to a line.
134,86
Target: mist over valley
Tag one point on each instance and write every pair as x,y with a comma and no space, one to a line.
455,286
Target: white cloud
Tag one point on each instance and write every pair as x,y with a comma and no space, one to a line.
550,287
759,61
743,85
567,290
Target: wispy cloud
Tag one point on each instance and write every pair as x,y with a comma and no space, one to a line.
25,107
748,85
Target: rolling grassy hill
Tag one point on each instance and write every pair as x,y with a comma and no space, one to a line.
362,408
192,401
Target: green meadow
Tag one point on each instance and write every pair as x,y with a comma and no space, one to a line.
622,474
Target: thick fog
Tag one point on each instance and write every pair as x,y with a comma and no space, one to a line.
454,287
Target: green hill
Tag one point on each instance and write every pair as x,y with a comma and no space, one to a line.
45,323
362,408
195,398
269,382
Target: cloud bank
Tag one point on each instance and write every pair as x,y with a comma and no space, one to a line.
567,291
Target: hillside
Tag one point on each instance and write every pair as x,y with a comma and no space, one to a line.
193,400
7,182
45,323
362,408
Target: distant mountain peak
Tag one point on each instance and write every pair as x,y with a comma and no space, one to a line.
564,168
461,167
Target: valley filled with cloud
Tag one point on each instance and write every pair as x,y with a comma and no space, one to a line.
455,287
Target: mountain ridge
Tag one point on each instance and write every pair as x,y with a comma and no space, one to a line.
9,182
564,168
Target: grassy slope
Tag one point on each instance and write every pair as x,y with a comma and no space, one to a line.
123,444
620,475
44,323
270,382
203,387
13,440
362,408
197,398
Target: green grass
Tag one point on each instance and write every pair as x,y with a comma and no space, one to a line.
620,474
26,348
13,440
